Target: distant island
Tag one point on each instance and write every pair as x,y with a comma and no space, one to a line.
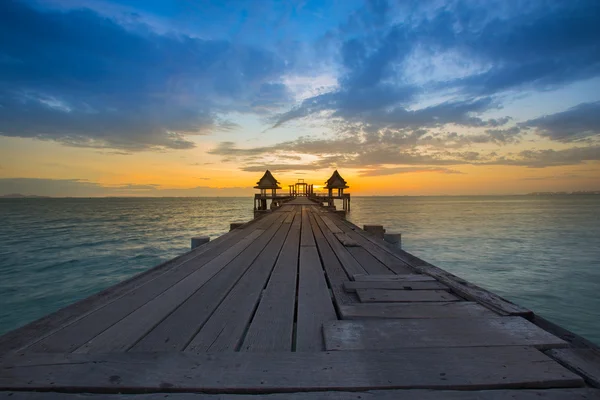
22,196
585,192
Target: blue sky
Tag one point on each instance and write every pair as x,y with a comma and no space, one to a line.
416,90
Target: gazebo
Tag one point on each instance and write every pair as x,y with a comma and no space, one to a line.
337,182
265,183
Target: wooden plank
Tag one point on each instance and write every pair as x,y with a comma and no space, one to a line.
350,265
225,328
448,332
290,216
394,285
458,309
472,368
585,362
315,305
407,394
367,261
391,262
131,330
66,329
345,240
335,273
273,324
392,278
172,331
306,236
333,228
173,286
390,296
460,286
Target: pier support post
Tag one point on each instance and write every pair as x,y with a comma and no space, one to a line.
394,239
376,230
199,241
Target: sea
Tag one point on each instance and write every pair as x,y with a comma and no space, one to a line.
542,252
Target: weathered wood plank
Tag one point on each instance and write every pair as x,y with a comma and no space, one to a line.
315,305
390,296
473,368
350,265
406,394
333,228
460,286
393,278
335,273
447,332
391,262
345,240
458,309
473,292
71,326
367,261
172,331
290,216
225,328
128,331
306,236
585,362
394,285
154,294
272,326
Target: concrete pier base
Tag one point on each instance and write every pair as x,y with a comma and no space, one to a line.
341,213
258,213
199,241
394,239
376,230
235,225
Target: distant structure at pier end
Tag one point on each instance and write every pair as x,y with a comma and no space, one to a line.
268,186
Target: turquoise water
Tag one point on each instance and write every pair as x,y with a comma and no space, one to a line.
541,252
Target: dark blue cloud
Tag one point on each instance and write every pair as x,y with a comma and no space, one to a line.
134,81
575,124
83,79
512,46
544,49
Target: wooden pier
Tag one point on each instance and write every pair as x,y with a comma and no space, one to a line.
296,304
268,187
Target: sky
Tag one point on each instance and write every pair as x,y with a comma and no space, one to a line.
199,98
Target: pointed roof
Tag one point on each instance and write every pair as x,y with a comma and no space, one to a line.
336,181
268,181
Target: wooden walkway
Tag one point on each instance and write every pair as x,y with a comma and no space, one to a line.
298,304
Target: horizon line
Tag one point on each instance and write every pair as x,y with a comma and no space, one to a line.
531,194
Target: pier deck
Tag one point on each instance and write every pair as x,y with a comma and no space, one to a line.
298,301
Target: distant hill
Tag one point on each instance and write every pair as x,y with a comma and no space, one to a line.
22,196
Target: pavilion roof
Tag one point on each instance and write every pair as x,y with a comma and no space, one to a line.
268,181
336,181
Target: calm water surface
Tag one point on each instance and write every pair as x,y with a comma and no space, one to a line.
541,252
